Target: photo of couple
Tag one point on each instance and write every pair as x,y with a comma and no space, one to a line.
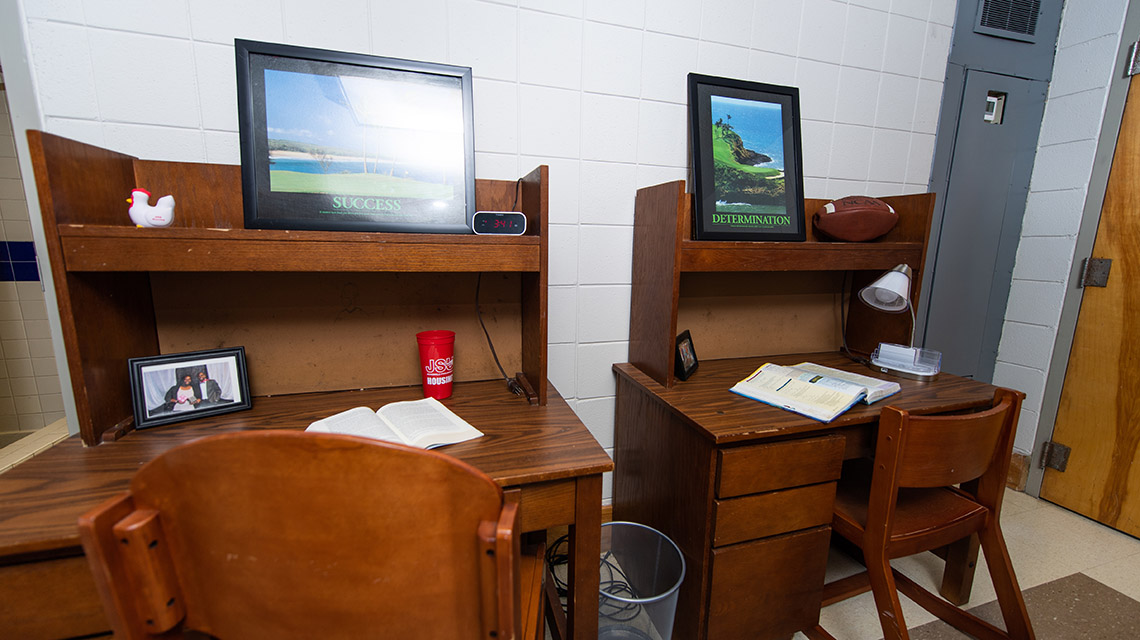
177,387
192,392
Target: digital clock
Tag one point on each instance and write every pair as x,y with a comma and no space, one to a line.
507,223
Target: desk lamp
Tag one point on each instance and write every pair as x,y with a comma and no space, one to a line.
891,293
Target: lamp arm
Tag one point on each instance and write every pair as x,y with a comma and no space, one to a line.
912,322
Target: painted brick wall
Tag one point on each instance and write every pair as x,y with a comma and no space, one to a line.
1084,64
594,88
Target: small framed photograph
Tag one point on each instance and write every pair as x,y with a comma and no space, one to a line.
685,362
747,160
341,141
184,386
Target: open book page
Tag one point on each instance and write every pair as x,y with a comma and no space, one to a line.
359,421
803,392
420,423
876,389
427,423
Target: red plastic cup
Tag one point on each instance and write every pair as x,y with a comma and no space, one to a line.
437,360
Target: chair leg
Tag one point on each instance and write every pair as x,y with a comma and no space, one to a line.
961,620
886,597
1005,584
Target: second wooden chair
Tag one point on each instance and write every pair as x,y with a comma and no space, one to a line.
906,502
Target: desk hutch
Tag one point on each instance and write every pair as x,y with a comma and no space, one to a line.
745,489
328,322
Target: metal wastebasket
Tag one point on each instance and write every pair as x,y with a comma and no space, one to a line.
641,573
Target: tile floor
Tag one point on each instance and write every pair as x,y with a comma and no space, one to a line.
1045,541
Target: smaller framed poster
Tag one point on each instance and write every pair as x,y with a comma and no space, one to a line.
183,386
341,141
747,160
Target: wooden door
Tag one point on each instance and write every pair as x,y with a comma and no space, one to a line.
1099,413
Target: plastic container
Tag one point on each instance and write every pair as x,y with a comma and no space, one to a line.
642,570
437,360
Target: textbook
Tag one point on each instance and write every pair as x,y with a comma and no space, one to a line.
425,423
876,389
812,390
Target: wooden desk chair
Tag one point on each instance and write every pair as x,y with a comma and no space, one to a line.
907,504
279,534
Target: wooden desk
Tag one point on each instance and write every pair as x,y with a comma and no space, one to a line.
542,451
746,489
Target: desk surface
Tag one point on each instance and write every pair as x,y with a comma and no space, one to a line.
705,401
42,498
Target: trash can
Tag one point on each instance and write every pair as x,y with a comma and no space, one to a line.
641,572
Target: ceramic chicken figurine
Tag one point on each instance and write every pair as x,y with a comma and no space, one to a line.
143,214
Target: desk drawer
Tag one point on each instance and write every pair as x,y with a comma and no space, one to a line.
773,513
778,465
773,584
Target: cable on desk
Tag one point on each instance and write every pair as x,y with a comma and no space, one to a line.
843,319
512,384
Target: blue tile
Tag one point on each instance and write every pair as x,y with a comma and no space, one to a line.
6,272
25,272
4,255
22,251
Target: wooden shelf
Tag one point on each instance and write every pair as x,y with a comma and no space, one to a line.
315,310
804,256
120,248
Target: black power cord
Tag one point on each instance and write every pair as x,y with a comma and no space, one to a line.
843,292
512,383
613,582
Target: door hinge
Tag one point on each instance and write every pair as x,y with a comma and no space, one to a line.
1054,456
1134,58
1094,272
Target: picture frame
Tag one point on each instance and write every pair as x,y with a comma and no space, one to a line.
337,141
747,160
159,393
685,358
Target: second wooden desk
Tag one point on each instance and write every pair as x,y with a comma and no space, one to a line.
746,489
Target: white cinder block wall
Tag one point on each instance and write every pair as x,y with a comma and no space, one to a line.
594,88
1082,70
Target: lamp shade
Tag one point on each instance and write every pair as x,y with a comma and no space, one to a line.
891,292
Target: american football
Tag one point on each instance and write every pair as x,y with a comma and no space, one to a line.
855,219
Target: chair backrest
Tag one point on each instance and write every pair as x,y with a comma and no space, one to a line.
945,450
282,534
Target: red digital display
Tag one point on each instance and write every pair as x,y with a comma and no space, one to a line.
512,223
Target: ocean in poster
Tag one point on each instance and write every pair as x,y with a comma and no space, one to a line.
363,136
759,124
748,160
307,165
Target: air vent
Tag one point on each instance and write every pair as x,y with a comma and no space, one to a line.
1011,19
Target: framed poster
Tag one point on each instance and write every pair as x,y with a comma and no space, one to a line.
747,160
184,386
351,142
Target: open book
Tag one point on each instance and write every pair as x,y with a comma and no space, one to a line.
420,423
812,390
